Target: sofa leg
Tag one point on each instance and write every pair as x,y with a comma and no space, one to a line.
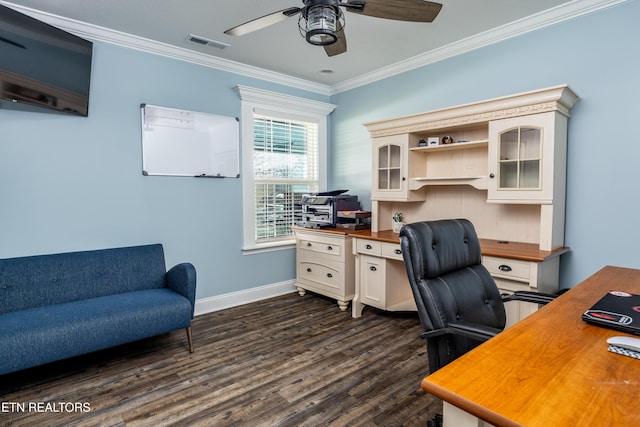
190,338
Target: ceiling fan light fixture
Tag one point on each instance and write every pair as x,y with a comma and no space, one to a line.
321,24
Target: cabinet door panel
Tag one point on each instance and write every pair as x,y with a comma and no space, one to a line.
372,276
521,159
390,168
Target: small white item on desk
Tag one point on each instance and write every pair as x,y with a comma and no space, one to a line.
397,222
626,346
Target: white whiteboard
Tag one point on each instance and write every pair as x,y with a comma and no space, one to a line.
187,143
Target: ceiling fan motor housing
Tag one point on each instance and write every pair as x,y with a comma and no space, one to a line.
321,17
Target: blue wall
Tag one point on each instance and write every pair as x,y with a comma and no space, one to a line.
73,183
597,55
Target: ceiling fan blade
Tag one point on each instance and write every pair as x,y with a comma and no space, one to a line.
12,43
262,22
399,10
340,46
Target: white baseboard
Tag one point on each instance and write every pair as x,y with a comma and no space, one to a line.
233,299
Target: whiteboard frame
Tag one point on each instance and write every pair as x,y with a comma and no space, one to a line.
187,143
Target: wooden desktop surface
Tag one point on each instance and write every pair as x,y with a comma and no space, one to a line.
489,247
550,369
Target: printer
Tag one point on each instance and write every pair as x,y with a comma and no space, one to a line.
320,210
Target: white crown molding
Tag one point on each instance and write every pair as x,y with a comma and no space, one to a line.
288,103
557,98
531,23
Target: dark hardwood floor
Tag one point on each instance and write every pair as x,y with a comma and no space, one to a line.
285,361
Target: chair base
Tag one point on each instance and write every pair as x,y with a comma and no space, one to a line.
435,421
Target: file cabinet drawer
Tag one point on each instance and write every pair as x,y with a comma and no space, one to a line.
321,245
327,276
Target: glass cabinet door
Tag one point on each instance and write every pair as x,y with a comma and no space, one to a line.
521,159
392,168
520,156
389,167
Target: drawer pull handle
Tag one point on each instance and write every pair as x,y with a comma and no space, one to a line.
308,244
329,275
368,247
397,252
373,268
329,248
308,270
504,267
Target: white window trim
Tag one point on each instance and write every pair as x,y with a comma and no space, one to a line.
290,107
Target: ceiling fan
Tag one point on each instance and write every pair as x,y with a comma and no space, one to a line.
321,22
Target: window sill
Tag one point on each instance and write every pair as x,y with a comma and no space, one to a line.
259,248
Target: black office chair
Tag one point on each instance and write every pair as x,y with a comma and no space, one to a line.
458,301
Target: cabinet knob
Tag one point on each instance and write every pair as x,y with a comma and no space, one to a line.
368,247
397,252
308,270
404,178
504,267
308,244
492,175
329,275
329,248
373,268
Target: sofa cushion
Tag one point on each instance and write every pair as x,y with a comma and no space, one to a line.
43,334
42,280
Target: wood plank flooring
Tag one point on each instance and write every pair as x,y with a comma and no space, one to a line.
285,361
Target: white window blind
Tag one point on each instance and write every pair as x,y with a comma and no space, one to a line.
285,166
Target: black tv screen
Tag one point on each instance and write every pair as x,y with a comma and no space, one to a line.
42,67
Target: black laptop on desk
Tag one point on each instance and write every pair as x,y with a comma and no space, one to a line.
616,310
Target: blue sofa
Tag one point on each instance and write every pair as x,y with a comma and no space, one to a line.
61,305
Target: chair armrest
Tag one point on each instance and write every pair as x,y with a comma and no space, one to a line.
467,329
528,296
182,279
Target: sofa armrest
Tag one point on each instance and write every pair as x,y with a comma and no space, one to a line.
182,279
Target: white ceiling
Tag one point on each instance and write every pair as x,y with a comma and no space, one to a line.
375,46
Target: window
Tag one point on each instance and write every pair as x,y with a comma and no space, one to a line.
285,166
283,158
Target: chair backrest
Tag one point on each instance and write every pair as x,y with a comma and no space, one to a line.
449,283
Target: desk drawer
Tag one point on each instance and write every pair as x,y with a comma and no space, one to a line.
392,250
507,268
369,247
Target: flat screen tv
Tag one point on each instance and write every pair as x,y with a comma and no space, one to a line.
42,67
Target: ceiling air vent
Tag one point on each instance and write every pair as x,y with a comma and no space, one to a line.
206,42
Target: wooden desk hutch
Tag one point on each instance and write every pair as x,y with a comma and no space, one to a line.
503,168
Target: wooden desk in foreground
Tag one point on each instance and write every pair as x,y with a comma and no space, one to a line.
550,369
